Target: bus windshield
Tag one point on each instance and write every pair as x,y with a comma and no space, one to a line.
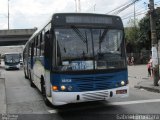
89,48
12,58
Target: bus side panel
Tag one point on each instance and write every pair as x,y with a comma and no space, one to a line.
38,70
48,83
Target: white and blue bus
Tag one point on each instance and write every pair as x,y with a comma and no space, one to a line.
12,60
78,57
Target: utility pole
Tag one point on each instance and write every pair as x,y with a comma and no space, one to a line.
134,15
76,5
79,5
94,7
135,29
155,61
8,14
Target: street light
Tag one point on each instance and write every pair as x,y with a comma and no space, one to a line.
76,5
94,7
8,14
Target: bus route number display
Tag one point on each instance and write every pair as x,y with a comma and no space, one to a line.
82,65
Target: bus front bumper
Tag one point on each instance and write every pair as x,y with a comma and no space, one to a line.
12,66
61,98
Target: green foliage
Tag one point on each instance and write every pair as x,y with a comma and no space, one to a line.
145,32
132,36
139,35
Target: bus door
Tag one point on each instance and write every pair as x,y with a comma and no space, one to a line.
48,51
48,60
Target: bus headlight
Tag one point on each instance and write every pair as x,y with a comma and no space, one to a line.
63,87
122,83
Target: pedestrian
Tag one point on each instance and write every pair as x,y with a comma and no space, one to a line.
149,67
132,60
129,60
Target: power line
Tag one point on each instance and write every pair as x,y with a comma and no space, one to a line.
122,7
125,7
129,14
139,10
118,7
133,15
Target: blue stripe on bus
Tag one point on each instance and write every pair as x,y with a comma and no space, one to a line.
90,82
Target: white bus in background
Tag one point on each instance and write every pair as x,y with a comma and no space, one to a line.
12,61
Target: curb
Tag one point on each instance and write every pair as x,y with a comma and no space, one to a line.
151,89
2,75
3,104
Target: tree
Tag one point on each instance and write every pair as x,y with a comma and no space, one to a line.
132,36
145,32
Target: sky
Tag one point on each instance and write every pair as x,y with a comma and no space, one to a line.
27,14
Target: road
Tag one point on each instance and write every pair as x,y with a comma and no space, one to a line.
27,102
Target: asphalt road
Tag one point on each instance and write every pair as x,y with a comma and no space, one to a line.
27,103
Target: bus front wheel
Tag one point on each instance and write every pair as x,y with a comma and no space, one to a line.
43,89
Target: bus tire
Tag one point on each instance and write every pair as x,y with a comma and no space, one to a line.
25,74
31,82
43,90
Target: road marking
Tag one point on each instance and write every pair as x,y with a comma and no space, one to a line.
134,102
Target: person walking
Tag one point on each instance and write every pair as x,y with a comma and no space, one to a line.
132,60
149,67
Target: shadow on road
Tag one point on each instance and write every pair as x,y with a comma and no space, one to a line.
89,111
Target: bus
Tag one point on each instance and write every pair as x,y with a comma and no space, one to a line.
78,57
12,60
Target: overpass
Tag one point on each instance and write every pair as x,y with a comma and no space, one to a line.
15,36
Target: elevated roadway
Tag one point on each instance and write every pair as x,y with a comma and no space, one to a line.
15,36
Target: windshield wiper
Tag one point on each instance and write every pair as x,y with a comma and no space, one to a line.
81,36
101,38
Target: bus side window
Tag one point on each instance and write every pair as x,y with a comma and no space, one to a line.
32,50
47,44
38,45
42,44
29,51
34,47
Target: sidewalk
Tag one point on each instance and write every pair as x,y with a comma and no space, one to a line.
2,96
138,78
2,93
148,85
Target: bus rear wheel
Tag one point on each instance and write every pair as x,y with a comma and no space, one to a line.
31,81
25,75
